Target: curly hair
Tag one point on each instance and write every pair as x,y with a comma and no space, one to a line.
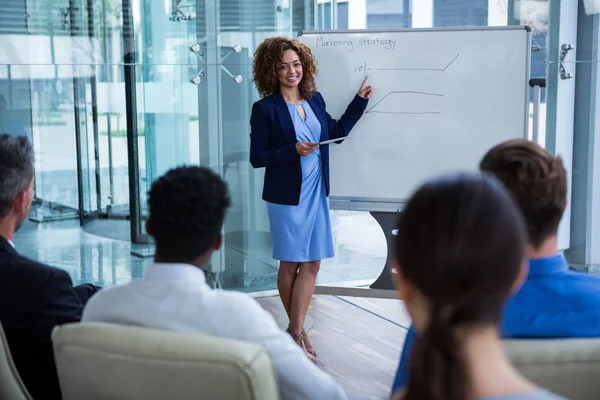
187,209
267,57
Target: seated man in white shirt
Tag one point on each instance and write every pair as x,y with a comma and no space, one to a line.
187,208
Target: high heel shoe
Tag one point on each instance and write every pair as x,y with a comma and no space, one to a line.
298,338
308,345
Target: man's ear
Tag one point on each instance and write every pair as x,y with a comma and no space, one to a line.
20,202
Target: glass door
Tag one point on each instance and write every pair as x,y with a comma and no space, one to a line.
161,102
74,67
111,144
52,55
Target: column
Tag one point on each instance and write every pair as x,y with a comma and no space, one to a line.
585,222
357,14
422,13
561,98
497,13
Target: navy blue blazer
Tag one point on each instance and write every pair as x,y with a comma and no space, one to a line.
34,298
273,143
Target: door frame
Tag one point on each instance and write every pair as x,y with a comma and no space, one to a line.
560,98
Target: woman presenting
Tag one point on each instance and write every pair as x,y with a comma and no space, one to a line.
286,126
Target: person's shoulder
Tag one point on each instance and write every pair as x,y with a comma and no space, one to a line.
582,276
239,305
21,278
266,101
237,300
566,287
244,314
317,100
264,106
574,283
318,96
32,269
584,285
112,293
564,304
103,300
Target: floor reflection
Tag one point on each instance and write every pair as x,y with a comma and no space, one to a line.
86,257
100,253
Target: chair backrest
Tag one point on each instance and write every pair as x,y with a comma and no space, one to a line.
568,367
108,361
11,386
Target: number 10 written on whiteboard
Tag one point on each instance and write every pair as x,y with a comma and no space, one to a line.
361,69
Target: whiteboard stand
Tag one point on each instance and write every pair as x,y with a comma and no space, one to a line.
383,287
537,84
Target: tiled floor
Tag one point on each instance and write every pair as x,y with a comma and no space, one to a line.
86,257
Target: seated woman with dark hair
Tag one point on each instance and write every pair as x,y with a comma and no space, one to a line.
460,253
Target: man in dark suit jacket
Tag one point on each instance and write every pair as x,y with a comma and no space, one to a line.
34,298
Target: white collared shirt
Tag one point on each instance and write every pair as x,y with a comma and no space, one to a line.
10,242
176,297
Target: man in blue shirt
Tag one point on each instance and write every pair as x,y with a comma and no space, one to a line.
553,302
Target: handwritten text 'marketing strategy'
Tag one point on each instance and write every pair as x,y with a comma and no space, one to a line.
388,44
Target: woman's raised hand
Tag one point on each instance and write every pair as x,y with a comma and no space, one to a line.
365,91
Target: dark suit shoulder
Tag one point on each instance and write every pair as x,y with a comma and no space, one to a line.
266,101
16,264
318,99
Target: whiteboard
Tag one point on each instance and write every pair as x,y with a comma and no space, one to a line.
442,98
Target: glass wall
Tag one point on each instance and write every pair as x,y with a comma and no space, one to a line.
113,93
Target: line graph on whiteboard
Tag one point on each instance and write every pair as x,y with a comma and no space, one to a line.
413,102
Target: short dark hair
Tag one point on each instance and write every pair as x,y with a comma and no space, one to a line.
461,242
187,209
537,181
16,169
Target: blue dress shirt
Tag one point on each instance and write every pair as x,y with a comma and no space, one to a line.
554,302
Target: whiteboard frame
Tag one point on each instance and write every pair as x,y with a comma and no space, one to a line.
394,205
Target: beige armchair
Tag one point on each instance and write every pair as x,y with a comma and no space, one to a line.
107,361
568,367
11,386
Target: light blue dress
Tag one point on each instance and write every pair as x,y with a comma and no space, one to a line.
302,233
